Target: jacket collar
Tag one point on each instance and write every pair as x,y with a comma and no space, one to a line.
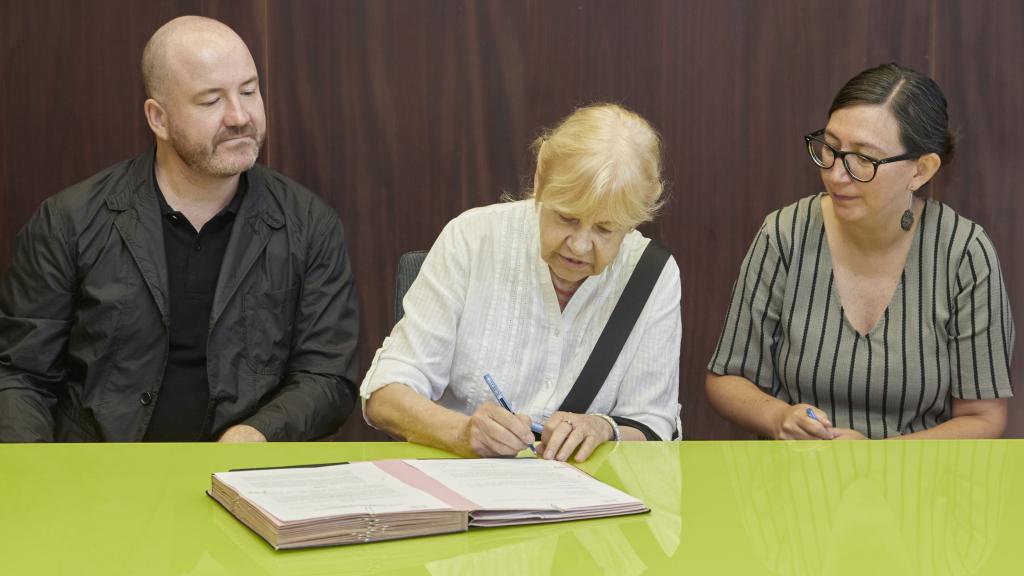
138,222
258,218
141,186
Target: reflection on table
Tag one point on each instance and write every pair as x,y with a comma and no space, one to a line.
717,508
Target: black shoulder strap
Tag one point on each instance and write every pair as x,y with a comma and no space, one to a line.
631,302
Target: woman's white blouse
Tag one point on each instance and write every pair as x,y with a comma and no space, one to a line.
484,303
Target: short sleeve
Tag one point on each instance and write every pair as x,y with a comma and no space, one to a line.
981,333
750,332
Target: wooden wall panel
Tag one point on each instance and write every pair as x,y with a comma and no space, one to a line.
71,97
403,113
977,52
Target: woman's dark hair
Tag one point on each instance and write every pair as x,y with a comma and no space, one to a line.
915,100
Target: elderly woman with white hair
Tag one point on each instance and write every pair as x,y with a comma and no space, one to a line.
557,299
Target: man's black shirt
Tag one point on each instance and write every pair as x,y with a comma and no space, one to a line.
193,266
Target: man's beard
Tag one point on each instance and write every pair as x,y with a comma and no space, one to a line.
218,163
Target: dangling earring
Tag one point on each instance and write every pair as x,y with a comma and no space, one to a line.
907,220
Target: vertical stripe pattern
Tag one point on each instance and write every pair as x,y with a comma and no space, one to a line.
947,332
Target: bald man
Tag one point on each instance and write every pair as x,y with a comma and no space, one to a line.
187,294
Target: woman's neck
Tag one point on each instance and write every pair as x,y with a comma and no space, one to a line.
878,236
564,289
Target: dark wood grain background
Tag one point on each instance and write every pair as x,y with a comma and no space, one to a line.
404,113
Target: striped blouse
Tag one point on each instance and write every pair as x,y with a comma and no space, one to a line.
947,332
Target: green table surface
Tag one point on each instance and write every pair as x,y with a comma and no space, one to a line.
822,508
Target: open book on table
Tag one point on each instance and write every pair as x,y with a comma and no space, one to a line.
369,501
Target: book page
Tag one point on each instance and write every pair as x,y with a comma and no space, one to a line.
522,484
290,494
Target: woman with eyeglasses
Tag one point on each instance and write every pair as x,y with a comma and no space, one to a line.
869,310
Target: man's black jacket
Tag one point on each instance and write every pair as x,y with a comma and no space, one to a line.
84,315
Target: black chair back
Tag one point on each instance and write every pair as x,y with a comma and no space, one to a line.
408,268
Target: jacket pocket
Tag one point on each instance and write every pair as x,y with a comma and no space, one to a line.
269,317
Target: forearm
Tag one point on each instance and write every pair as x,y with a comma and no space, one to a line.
401,412
637,427
741,402
308,407
628,433
25,417
971,419
963,427
318,392
37,309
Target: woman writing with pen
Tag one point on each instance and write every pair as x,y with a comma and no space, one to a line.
534,294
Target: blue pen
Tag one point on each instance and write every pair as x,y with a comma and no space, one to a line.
537,428
812,415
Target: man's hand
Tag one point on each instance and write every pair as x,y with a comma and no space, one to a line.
242,433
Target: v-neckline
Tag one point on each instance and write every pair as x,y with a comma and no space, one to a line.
912,256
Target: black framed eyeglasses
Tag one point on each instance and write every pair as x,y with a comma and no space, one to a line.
860,167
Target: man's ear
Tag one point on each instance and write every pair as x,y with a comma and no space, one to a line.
156,116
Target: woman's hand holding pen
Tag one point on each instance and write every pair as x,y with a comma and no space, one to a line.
565,432
803,422
494,431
